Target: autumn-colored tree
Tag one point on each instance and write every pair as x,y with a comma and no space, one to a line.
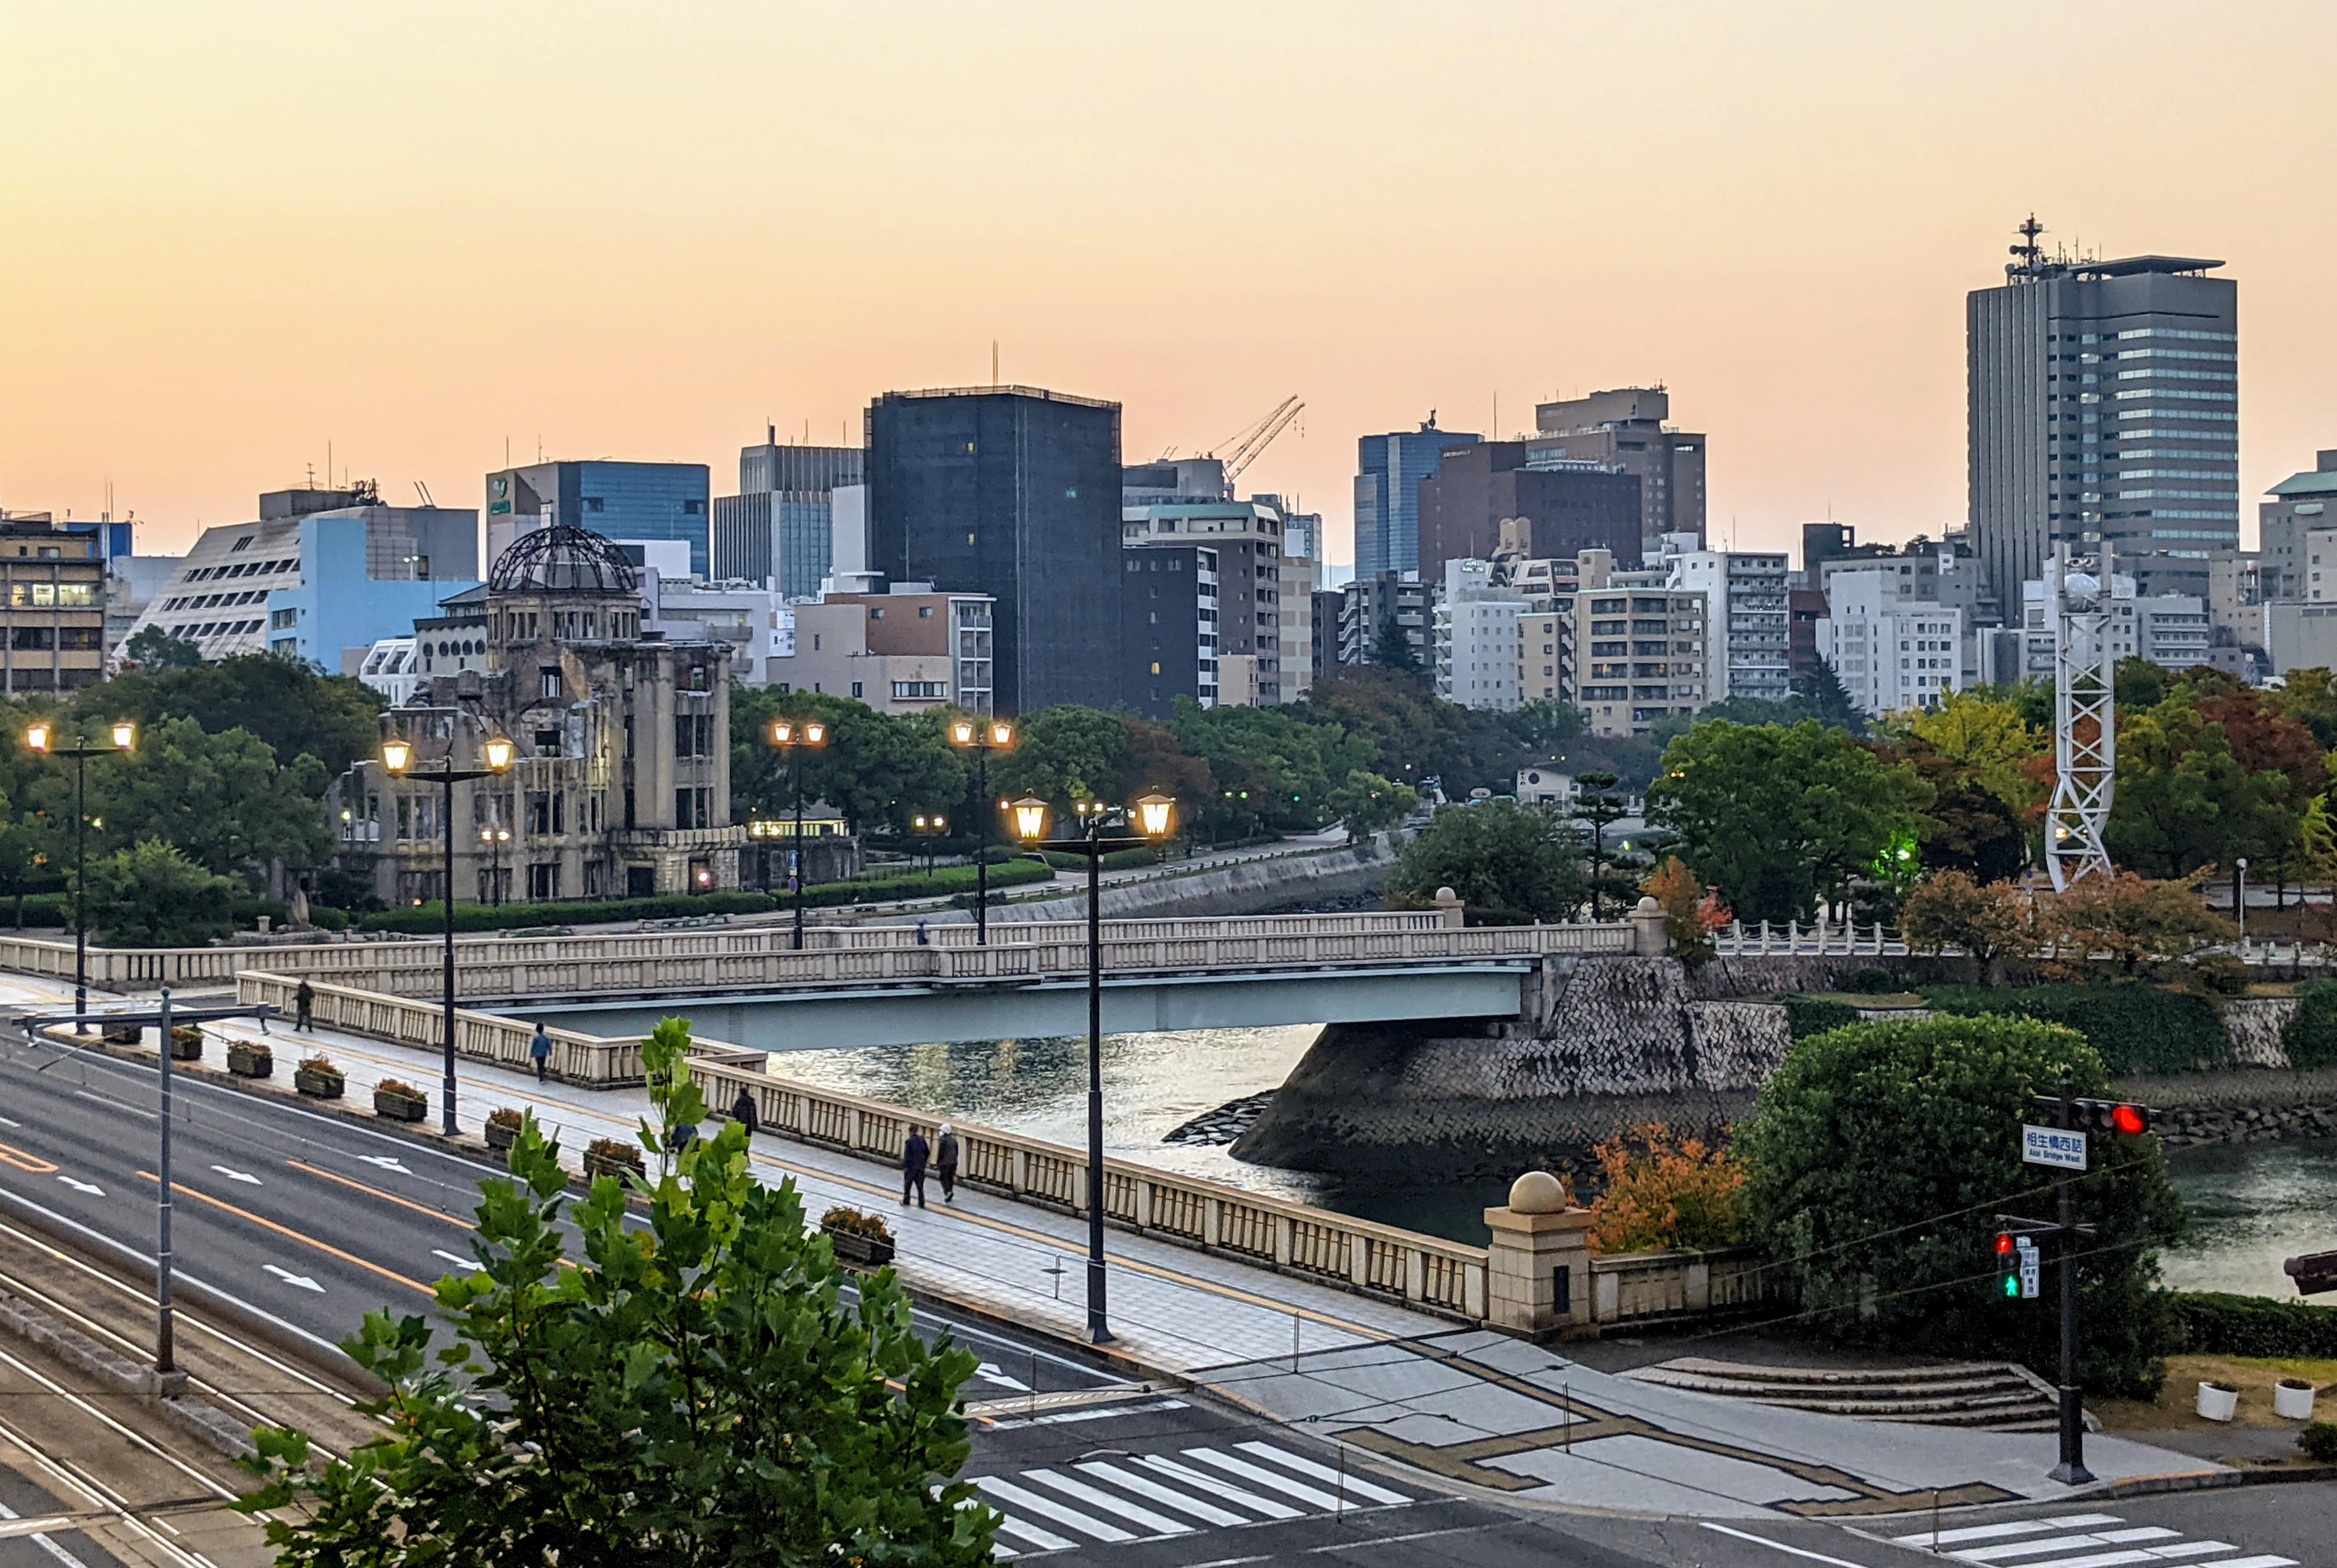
1666,1190
2131,918
1985,735
1988,921
1693,913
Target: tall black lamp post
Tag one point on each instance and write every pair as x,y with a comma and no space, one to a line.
398,756
789,735
929,825
981,737
40,738
494,835
1151,817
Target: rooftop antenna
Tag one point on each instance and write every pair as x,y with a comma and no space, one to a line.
2029,256
993,362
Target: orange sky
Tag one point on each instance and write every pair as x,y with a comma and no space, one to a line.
237,231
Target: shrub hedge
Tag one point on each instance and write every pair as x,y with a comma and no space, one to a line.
2214,1323
2311,1036
2137,1027
1808,1015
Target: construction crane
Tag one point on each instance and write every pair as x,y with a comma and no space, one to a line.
1251,440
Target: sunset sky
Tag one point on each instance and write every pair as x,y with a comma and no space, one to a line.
238,231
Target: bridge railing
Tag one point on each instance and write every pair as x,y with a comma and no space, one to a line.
1426,1272
587,1059
1819,939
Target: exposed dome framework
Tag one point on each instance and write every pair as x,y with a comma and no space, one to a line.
563,559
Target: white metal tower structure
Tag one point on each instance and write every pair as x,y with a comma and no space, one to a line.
2085,720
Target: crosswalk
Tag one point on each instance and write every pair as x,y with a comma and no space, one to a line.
2086,1541
1147,1496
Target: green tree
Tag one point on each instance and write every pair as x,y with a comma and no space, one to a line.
1510,864
1829,701
284,702
1283,764
1778,818
1369,804
1406,733
1878,1162
1394,648
1597,806
224,799
154,649
693,1392
877,769
1064,754
151,896
1542,726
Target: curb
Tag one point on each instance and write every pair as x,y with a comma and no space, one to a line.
166,1392
2207,1481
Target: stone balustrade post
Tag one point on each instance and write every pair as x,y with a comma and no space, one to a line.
1538,1266
1648,939
1449,911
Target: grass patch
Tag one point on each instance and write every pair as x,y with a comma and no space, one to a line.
2252,1375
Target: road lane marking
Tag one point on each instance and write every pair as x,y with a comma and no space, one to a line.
302,1280
90,1188
243,1176
10,1155
1344,1483
2011,1527
1781,1546
439,1215
1006,1491
387,1162
7,1122
1143,1518
1258,1476
472,1264
1168,1497
287,1231
989,1373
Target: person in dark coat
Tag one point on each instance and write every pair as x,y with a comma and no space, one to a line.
304,1005
946,1163
914,1160
539,1048
742,1112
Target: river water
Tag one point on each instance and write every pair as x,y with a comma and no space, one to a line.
2250,1206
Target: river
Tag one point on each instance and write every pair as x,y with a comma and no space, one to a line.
2250,1206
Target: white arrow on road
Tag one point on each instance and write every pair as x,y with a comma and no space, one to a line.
92,1188
989,1373
290,1278
472,1264
237,1175
386,1161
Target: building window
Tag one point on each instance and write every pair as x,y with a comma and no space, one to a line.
551,683
855,688
544,880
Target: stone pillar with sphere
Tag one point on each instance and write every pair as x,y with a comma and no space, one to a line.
1538,1265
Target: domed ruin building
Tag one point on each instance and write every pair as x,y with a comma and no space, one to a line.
620,784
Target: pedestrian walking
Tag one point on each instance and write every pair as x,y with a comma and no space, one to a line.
304,1005
743,1111
540,1049
946,1163
914,1160
923,940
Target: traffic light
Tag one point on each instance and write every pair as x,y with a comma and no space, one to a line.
2121,1116
2008,1266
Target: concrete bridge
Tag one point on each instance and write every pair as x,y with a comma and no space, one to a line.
856,986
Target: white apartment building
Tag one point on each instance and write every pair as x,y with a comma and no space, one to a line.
1747,623
1639,647
1890,654
1475,632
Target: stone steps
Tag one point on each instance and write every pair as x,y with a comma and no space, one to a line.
1992,1396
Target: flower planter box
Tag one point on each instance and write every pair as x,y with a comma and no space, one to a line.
500,1135
2217,1401
2292,1399
123,1034
597,1164
318,1085
186,1045
399,1107
250,1061
862,1251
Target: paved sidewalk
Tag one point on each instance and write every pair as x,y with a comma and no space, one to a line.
1473,1408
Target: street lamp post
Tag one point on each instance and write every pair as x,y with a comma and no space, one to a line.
495,836
2240,897
1152,817
789,735
930,826
398,756
40,738
981,737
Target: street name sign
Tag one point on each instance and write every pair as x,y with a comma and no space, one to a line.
2052,1146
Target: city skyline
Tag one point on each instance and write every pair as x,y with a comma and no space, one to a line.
260,232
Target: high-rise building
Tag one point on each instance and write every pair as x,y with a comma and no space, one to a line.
1014,492
1475,632
1169,608
640,501
53,619
1323,635
779,531
321,577
1389,469
1890,654
1252,574
1625,429
2296,505
1369,605
1639,647
2103,403
1749,634
1555,510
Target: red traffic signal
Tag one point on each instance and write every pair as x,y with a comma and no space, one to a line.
2129,1119
2004,1243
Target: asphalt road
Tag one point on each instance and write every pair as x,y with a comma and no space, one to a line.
312,1221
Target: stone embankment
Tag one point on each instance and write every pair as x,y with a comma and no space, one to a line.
1605,1043
2240,1107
